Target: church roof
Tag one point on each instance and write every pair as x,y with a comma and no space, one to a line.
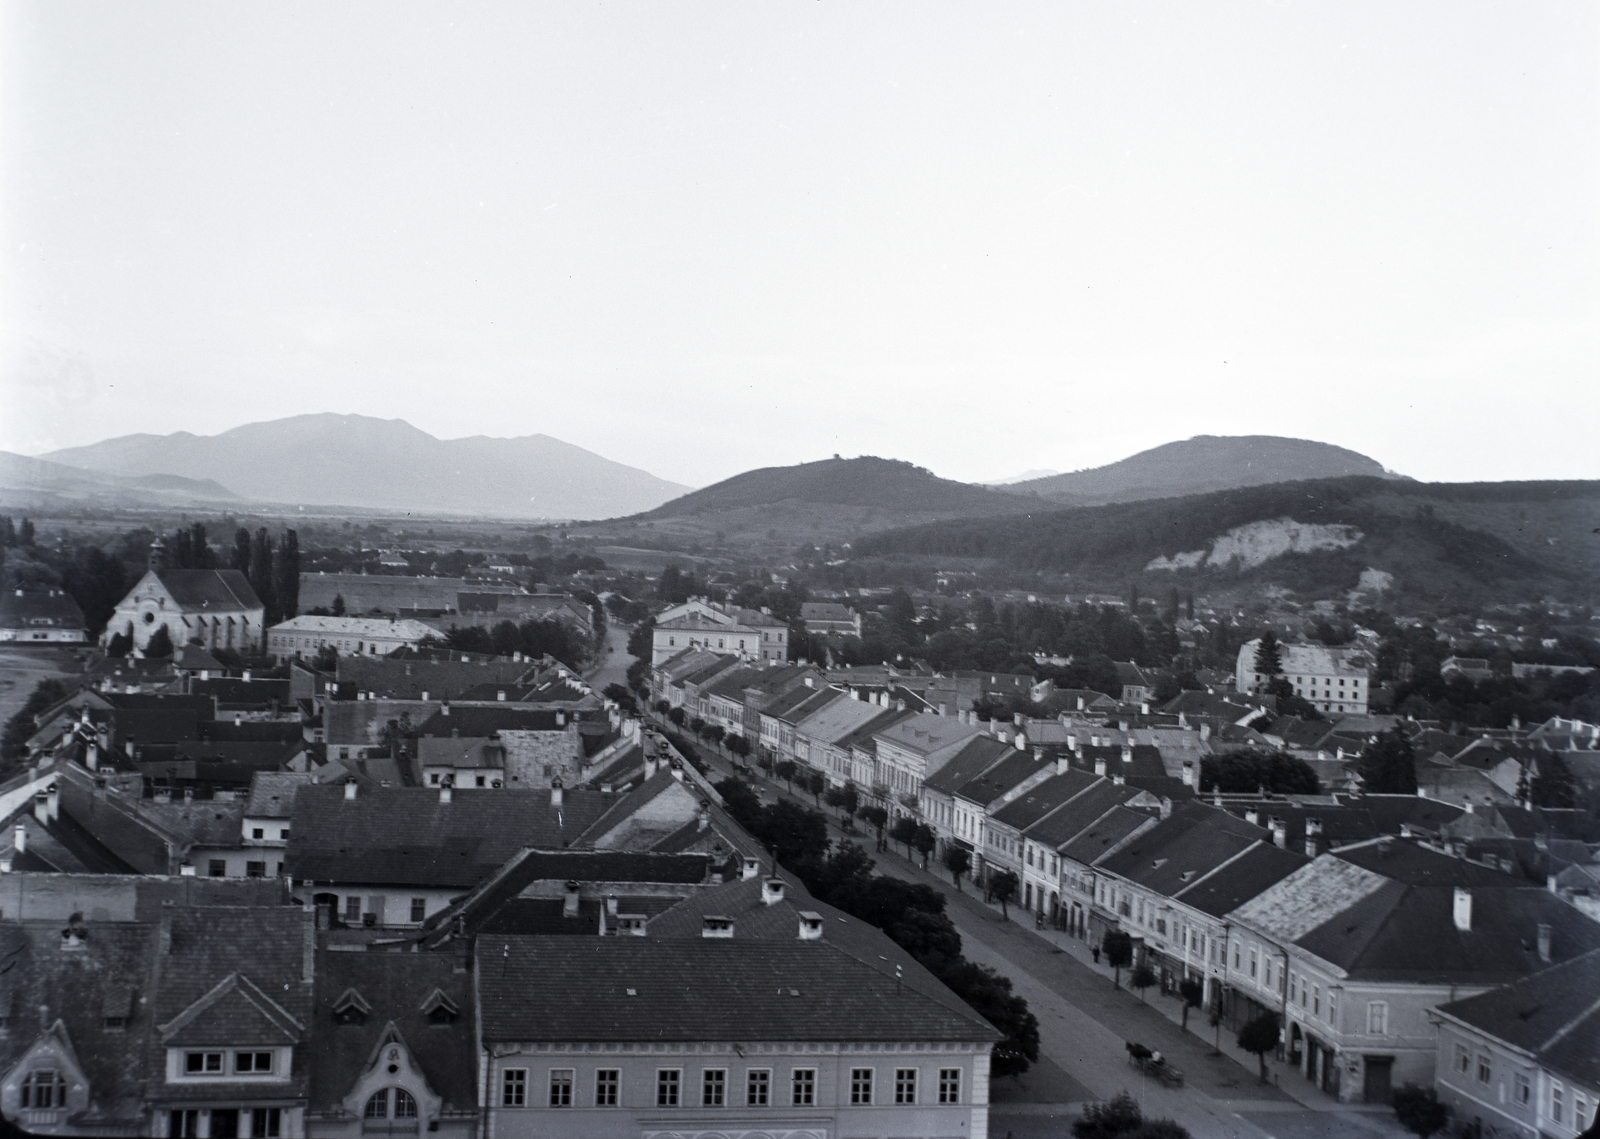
210,589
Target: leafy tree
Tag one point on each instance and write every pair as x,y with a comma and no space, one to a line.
1268,659
663,706
740,800
923,840
793,833
1260,1036
25,533
622,697
697,725
120,645
958,861
1142,978
814,782
1289,702
47,693
338,605
641,642
877,818
241,562
989,994
1245,772
326,660
286,574
1004,886
1191,991
8,532
904,830
846,799
1388,765
714,733
639,678
160,645
677,717
1118,949
738,745
786,771
1111,1119
1419,1110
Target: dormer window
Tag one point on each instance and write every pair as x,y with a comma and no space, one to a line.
350,1008
440,1009
202,1063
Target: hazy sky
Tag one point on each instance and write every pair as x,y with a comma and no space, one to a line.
701,237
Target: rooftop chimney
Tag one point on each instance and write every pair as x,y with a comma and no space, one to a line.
1280,832
19,838
751,867
810,925
556,793
1127,753
677,771
1166,807
772,891
716,925
1188,773
1253,817
500,695
1144,707
186,869
446,790
1118,780
569,901
703,816
1544,941
41,807
1100,765
349,790
1463,909
649,766
1021,742
53,801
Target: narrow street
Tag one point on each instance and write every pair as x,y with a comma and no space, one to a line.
612,667
1084,1023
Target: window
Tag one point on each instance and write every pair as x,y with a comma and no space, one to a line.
1316,1000
714,1087
391,1103
44,1087
758,1087
217,868
1485,1072
667,1087
256,1063
284,834
201,1063
805,1087
905,1085
419,909
605,1087
258,832
1580,1111
1377,1018
116,1023
860,1085
255,869
352,908
560,1087
949,1085
514,1087
1463,1059
1254,961
1524,1089
266,1122
185,1124
1557,1107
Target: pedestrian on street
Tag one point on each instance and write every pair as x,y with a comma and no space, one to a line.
1096,951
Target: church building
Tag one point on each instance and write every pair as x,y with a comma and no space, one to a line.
214,607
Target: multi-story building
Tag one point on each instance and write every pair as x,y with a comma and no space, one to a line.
41,616
953,825
215,607
1524,1059
1332,679
699,623
359,636
907,752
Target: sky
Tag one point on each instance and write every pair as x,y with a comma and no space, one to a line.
704,237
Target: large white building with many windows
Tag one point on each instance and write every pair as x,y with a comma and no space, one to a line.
1334,679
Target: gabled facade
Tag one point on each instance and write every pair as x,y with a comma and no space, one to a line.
217,608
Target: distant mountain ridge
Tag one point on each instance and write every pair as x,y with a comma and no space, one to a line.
362,461
29,482
1202,464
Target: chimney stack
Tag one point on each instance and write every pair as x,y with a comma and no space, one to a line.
569,901
1188,773
1021,742
716,925
810,925
1100,765
772,891
1463,909
1166,807
446,790
19,838
751,867
349,790
557,794
703,816
1280,832
41,807
53,801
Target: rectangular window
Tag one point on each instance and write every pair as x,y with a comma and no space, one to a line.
202,1063
606,1081
1485,1072
805,1087
758,1087
1254,960
352,908
266,1122
560,1087
419,909
1377,1018
253,1062
667,1082
860,1085
1524,1091
714,1087
258,832
1463,1060
1557,1107
217,868
1316,1000
185,1124
514,1087
905,1085
255,869
949,1085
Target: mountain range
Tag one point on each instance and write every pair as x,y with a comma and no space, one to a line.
361,461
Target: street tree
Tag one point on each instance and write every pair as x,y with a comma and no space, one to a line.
1419,1110
1118,949
1004,886
904,831
1191,991
814,782
923,840
1260,1036
1142,978
958,861
786,771
676,715
877,818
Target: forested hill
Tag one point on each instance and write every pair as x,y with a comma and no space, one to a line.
870,482
1317,535
1204,463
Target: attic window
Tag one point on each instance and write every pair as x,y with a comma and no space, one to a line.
1158,864
440,1009
350,1008
1187,875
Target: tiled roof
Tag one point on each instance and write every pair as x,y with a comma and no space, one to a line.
835,721
1554,1015
51,608
1259,868
926,733
395,986
1095,800
272,793
406,836
226,590
976,756
1111,828
1309,897
409,678
479,723
655,989
1178,850
994,782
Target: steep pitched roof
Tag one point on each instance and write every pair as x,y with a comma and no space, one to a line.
225,590
1105,834
1095,800
1553,1016
976,756
1031,806
995,782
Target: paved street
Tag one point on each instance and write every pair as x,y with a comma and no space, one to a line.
613,666
1084,1023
